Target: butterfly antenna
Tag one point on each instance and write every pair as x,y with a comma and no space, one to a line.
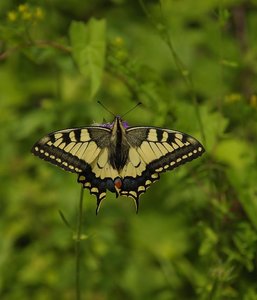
99,102
139,103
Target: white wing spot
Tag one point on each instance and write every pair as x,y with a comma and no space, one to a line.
141,188
102,195
154,175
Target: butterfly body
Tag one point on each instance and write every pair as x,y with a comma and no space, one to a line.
119,146
124,160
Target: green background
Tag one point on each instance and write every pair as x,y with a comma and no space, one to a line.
193,65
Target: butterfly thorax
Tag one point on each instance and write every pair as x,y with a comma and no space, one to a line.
119,146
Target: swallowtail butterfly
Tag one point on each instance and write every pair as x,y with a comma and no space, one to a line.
124,160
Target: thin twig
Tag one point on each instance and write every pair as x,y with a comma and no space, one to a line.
53,45
8,52
77,243
39,43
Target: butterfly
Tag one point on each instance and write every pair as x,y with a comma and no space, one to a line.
113,156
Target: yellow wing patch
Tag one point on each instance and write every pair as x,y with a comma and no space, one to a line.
135,165
101,167
152,135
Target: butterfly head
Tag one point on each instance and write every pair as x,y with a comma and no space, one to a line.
116,121
123,123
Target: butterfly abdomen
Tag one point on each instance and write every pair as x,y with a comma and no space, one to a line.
119,146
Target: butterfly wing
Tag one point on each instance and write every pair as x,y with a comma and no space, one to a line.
86,151
83,151
153,151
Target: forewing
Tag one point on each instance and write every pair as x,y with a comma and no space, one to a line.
153,151
72,149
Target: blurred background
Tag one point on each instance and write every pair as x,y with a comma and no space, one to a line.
193,65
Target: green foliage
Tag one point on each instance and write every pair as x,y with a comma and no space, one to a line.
88,50
193,66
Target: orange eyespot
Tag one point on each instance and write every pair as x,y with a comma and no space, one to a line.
118,183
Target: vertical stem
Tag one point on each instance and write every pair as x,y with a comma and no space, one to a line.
77,243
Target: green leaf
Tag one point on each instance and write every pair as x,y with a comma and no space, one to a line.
235,153
209,241
88,50
214,126
245,185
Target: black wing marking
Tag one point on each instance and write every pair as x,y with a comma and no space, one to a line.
153,151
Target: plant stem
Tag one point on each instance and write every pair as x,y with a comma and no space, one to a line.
77,243
39,44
